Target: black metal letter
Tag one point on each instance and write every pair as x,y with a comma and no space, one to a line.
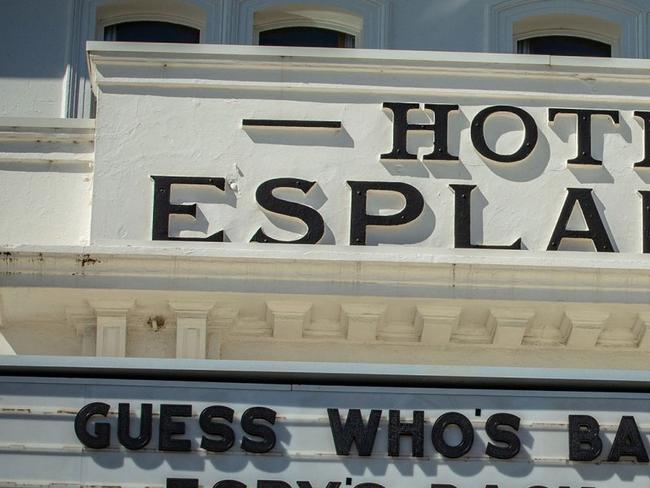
123,426
162,208
307,484
250,425
169,428
466,430
229,484
478,134
102,437
583,131
312,219
401,127
354,431
645,212
584,441
397,428
628,442
360,220
182,483
272,484
216,429
595,232
496,432
463,221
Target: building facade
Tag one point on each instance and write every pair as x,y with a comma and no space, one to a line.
437,214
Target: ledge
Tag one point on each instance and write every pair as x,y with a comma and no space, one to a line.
302,269
384,71
25,141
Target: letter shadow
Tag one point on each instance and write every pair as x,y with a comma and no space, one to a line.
186,194
410,233
300,136
643,174
453,170
405,167
603,126
603,218
465,469
478,205
519,469
587,173
525,170
565,126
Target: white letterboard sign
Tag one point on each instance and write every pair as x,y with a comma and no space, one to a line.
230,435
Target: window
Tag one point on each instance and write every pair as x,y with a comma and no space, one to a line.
564,46
307,25
616,23
151,31
305,36
150,21
566,35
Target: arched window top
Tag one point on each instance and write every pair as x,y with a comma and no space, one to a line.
564,46
305,37
614,22
150,14
329,26
151,31
569,35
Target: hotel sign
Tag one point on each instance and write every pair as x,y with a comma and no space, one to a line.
425,151
593,231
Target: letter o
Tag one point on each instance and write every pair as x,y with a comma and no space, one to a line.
466,429
478,134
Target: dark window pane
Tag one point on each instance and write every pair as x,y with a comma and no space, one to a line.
564,46
151,31
305,37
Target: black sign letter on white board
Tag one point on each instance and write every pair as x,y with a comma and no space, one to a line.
463,220
252,425
466,431
169,428
628,442
360,220
595,232
218,429
355,431
397,429
583,131
312,219
102,437
123,426
401,127
584,439
163,208
495,430
478,134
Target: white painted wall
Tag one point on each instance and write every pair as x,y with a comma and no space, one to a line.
34,39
